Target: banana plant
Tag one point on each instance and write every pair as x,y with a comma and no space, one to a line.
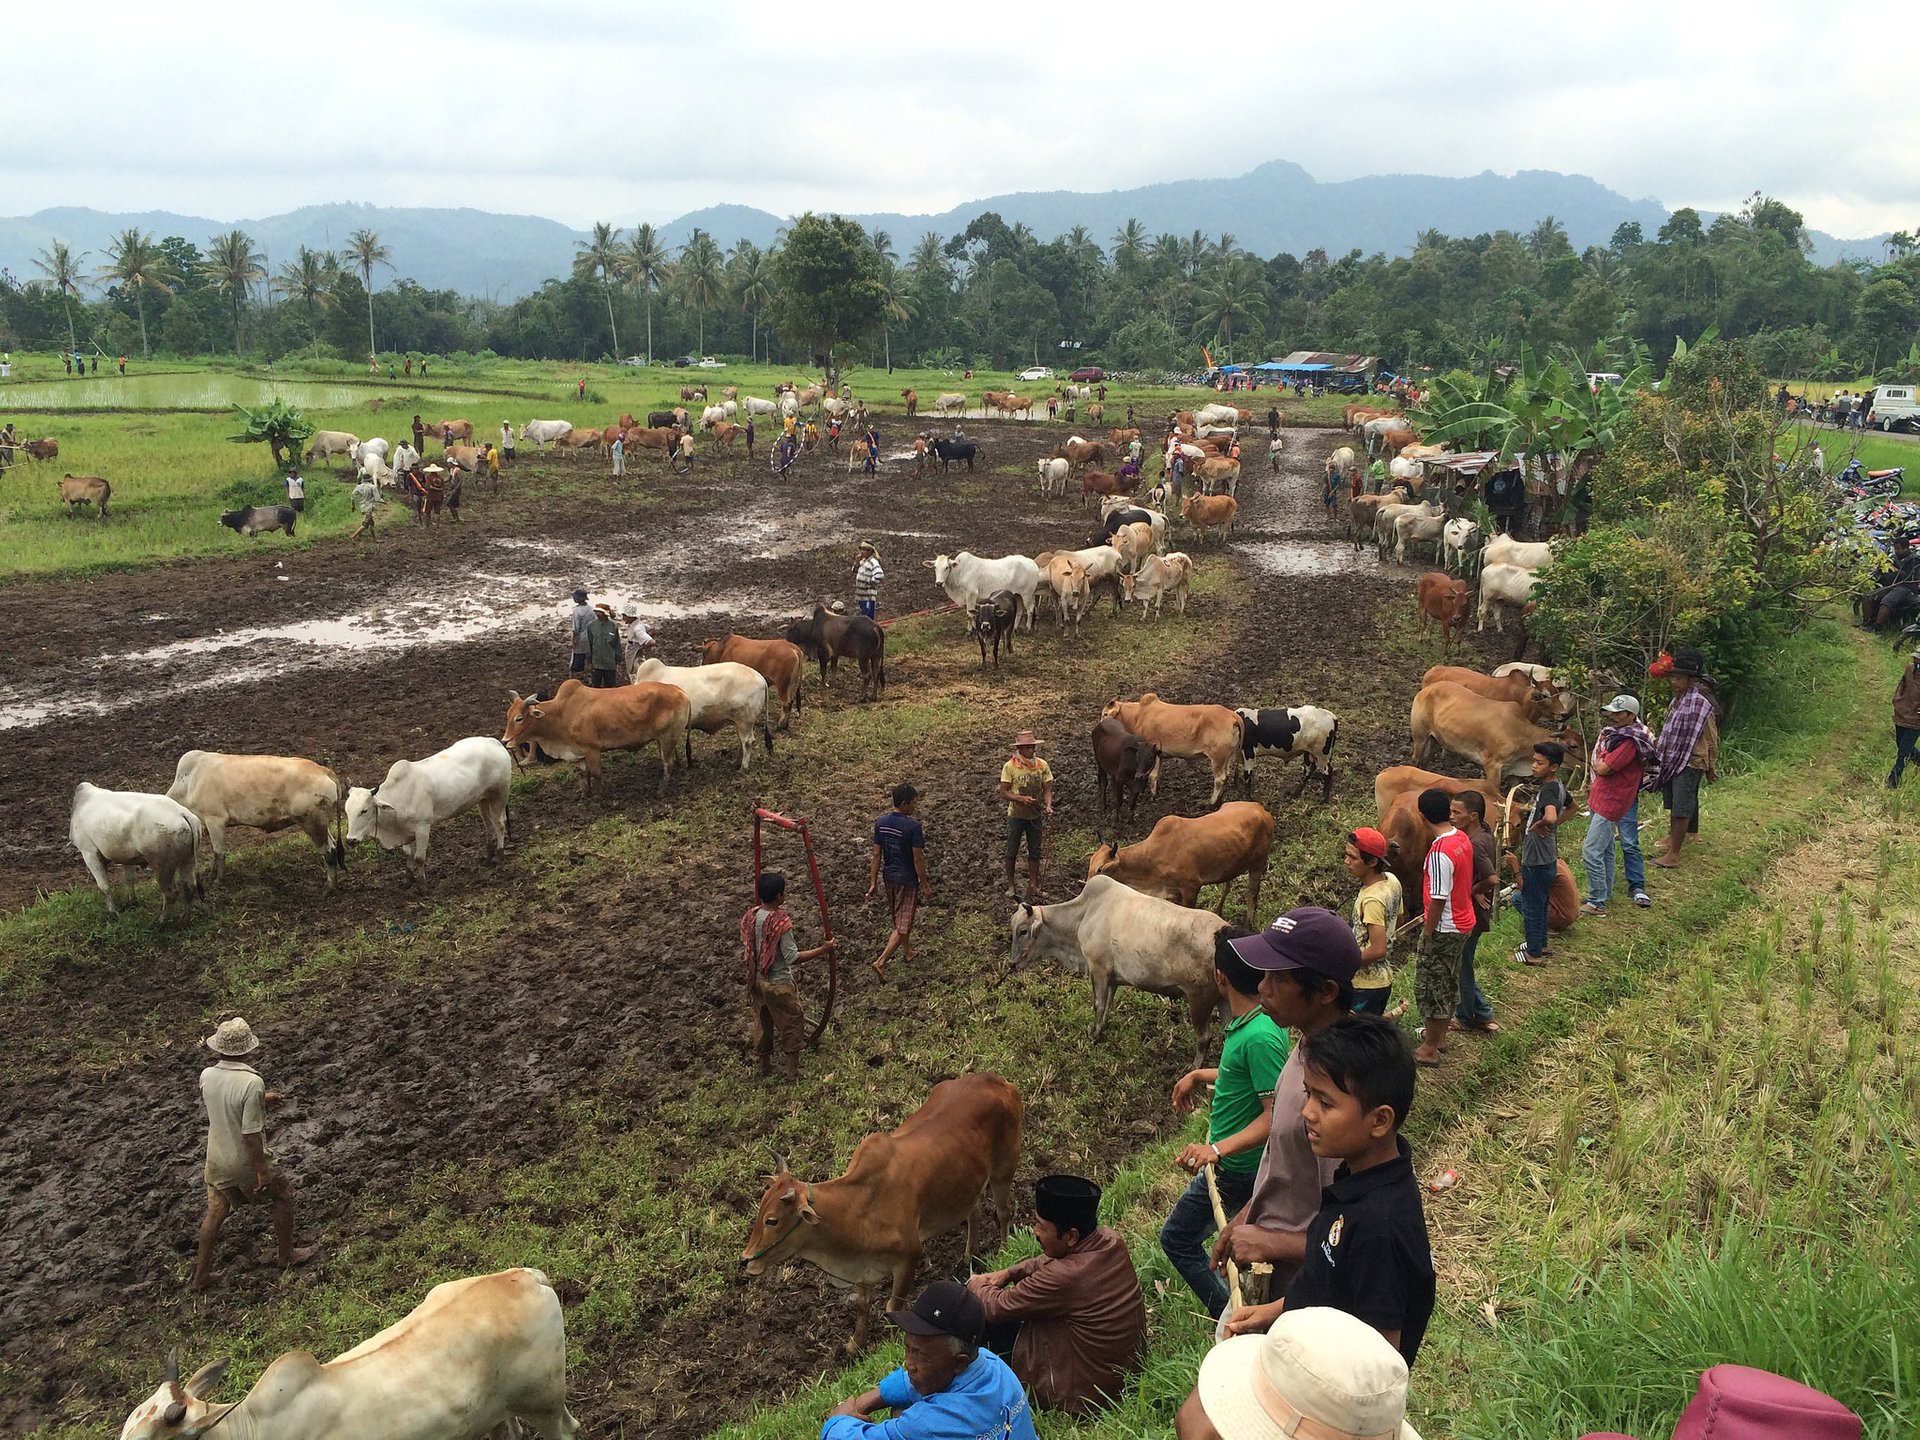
278,424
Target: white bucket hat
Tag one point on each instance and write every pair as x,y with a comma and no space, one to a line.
1319,1374
233,1037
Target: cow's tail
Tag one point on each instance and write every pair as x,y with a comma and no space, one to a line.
337,851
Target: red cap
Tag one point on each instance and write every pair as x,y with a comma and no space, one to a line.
1369,841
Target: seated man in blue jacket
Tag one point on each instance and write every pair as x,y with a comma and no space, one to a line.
949,1389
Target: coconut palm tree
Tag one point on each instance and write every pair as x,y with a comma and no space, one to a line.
1234,294
897,306
233,265
309,278
62,269
929,259
700,279
600,255
365,251
750,271
881,243
644,263
1129,246
137,264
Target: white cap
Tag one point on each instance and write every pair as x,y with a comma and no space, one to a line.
1623,705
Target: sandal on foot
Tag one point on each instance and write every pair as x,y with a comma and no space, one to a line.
1642,899
1521,957
1588,908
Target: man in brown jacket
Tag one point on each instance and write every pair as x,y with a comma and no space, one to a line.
1906,721
1072,1316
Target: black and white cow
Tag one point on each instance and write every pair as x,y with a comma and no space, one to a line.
1305,731
258,519
994,619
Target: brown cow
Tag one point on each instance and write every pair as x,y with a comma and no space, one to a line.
1545,702
901,1188
580,722
1181,855
1439,596
1121,437
1099,482
462,430
464,457
1397,780
1495,734
1080,453
1206,512
690,393
1018,405
1186,732
578,438
725,432
47,449
1392,442
1218,473
665,439
780,661
991,400
1096,413
78,490
913,403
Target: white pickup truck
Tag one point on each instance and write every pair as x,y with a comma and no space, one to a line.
1895,407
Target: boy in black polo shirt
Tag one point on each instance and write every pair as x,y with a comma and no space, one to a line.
1367,1250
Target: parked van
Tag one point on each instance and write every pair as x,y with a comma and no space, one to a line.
1895,407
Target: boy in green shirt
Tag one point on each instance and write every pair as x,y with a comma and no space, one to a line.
1251,1057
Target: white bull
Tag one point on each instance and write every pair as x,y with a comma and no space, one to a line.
1423,524
325,444
950,404
724,695
1053,477
473,1355
262,792
1459,540
401,811
1116,936
968,579
1503,585
753,405
1216,415
1505,550
712,416
129,827
1156,578
541,431
366,450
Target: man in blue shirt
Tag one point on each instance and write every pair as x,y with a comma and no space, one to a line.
949,1389
899,857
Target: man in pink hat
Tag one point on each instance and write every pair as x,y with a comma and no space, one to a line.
239,1167
1735,1402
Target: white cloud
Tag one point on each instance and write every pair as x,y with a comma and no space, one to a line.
590,111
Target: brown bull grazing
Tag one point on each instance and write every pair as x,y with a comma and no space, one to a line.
1545,703
78,490
1182,855
902,1187
580,722
1495,734
780,661
1440,597
1186,732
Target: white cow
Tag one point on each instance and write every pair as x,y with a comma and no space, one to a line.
968,579
326,444
1216,415
712,416
1157,577
1306,731
401,811
368,449
789,404
1539,674
835,408
1402,468
473,1355
1422,524
130,827
1460,539
1386,522
262,792
1053,477
1116,936
724,695
950,404
729,409
541,431
1505,550
753,405
1503,585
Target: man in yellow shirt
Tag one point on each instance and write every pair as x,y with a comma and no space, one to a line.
1026,784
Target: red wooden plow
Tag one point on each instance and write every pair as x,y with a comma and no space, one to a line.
798,824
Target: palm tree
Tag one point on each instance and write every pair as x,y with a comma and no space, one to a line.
897,307
929,259
881,243
365,251
600,256
644,263
1235,294
136,263
308,277
700,280
750,270
1129,245
62,269
233,265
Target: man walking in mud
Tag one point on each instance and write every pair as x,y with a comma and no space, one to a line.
365,496
239,1169
771,951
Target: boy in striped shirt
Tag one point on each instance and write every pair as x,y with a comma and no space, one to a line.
866,580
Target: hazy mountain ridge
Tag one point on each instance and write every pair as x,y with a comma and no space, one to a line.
1275,207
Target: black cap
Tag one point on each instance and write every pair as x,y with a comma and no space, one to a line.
1067,1202
943,1308
1308,938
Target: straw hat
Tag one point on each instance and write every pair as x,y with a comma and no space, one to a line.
1025,737
1318,1372
233,1037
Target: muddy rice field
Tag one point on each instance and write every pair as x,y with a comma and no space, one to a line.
456,1038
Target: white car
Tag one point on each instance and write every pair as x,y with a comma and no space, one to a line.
707,362
1036,372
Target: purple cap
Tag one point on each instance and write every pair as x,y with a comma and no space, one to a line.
1309,938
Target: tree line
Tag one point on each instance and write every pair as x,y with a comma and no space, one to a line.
995,295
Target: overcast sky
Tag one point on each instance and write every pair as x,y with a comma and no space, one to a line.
626,112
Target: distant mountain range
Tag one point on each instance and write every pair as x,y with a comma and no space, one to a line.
1272,208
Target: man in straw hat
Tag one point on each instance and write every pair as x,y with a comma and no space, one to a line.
1026,784
867,576
1318,1373
603,647
949,1387
239,1170
1071,1320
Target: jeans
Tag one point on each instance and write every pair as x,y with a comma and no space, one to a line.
870,609
1474,1007
1906,741
1536,881
1596,854
1186,1237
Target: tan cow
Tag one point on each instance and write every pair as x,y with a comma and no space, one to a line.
578,438
581,722
992,400
1186,732
1495,734
1080,453
1216,475
1545,703
902,1187
1209,512
1397,780
464,457
462,430
78,490
913,402
263,792
725,432
1123,436
1071,588
778,660
1135,541
664,438
1182,855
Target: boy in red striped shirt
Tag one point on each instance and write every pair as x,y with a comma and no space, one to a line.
1448,919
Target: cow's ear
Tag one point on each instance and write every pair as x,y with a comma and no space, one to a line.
807,1213
207,1378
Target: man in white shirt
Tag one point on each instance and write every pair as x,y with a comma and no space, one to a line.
296,491
638,639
